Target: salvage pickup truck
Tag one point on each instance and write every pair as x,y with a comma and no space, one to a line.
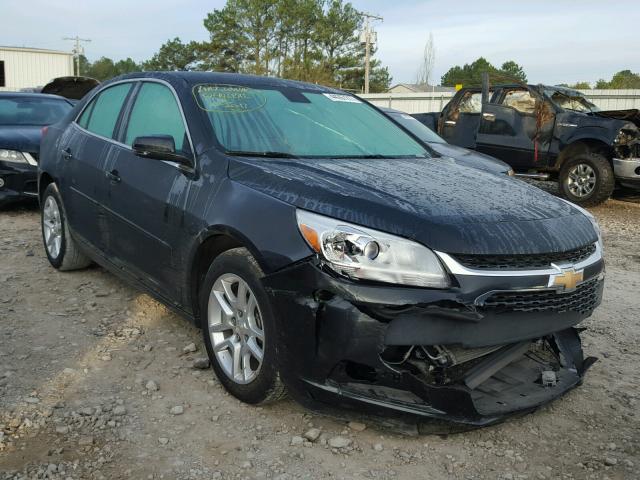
548,133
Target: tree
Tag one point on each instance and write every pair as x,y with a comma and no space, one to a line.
174,55
624,79
580,86
470,75
310,40
513,69
102,69
428,61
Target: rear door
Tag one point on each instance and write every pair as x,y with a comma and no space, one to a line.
460,119
86,149
514,128
146,196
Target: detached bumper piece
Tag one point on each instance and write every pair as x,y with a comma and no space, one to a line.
423,353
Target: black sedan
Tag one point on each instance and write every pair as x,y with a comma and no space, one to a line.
22,117
320,247
462,156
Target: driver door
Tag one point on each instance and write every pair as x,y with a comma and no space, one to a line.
517,128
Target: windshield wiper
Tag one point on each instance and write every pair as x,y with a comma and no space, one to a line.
377,155
268,154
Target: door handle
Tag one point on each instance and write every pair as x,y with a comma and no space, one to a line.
449,122
66,154
489,117
113,176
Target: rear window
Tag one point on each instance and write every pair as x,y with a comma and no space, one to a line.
32,110
101,115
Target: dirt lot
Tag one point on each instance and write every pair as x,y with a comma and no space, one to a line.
91,373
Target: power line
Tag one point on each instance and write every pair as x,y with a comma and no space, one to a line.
78,50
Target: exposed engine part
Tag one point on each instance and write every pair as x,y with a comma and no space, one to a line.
491,365
450,356
549,378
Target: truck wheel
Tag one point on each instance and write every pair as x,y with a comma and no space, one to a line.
62,250
587,179
238,327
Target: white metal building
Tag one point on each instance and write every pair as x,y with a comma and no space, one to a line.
32,67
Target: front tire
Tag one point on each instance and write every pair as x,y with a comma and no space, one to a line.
61,249
587,179
238,328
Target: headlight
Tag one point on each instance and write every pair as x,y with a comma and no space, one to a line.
12,156
361,253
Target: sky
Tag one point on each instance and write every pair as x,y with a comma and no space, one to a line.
556,41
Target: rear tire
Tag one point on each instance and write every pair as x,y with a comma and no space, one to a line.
238,328
586,179
61,249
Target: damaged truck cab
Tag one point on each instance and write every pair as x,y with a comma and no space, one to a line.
547,132
322,248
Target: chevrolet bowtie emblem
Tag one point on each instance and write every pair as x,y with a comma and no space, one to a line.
567,279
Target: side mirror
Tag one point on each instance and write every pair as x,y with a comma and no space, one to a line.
159,147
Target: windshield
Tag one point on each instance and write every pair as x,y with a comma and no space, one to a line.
32,110
293,122
419,129
569,100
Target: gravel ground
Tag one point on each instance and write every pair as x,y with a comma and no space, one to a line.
100,381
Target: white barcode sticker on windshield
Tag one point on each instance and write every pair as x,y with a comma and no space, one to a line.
336,97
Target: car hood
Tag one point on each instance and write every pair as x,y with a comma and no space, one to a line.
21,138
73,88
469,158
440,204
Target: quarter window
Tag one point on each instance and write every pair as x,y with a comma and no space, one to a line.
156,112
101,116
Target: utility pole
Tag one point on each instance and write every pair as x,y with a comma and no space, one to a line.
78,50
365,37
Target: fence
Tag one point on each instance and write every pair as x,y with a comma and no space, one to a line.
435,101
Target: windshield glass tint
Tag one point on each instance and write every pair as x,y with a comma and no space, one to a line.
32,111
570,101
301,123
420,130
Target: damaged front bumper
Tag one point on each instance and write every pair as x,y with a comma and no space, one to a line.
18,181
474,354
627,171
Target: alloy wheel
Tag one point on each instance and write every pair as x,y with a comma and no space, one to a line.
52,225
235,328
581,180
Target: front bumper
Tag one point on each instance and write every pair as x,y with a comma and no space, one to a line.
627,171
343,343
19,181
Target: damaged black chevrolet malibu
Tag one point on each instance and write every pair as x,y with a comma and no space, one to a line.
323,250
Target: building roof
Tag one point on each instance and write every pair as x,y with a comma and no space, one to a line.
33,50
419,88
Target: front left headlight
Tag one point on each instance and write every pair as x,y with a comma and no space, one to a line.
364,254
12,156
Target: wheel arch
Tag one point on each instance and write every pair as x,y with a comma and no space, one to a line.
44,179
584,145
210,244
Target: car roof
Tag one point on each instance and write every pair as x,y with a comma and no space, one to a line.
180,78
32,95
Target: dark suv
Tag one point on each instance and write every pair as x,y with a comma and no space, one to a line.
321,247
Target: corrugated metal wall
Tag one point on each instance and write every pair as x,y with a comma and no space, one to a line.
29,68
434,102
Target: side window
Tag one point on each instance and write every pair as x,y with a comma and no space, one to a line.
520,100
156,112
101,116
471,103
